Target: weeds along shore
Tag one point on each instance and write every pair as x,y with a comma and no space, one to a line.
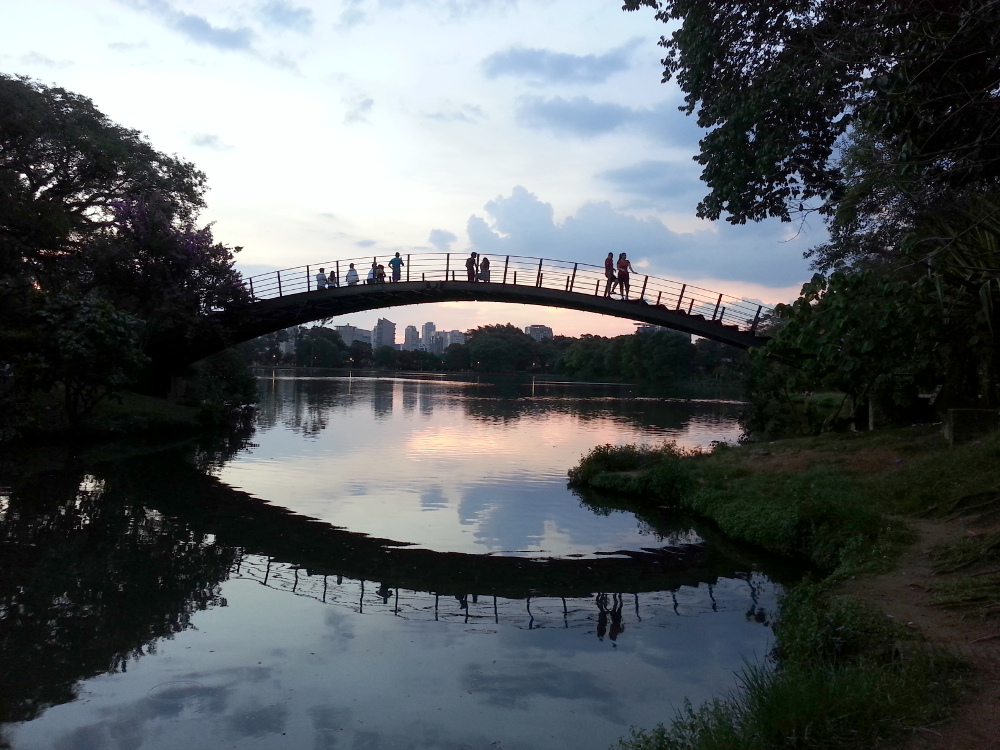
842,673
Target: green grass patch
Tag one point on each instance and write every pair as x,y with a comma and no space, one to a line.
840,682
819,515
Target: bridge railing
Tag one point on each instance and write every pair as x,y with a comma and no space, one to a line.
519,270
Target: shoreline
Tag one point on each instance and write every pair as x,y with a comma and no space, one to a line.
884,517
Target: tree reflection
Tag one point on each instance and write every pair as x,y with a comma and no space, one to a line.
89,580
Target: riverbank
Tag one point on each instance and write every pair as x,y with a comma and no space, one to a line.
894,638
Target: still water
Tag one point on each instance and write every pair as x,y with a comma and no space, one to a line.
382,563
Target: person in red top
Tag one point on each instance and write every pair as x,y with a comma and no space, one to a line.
609,271
624,267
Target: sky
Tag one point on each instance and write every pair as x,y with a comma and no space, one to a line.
348,128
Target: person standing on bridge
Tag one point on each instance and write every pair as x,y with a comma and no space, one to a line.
321,279
484,269
372,272
352,276
396,264
624,268
472,266
609,272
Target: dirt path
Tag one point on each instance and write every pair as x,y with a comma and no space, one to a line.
903,594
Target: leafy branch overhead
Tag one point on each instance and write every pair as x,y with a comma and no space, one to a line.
780,87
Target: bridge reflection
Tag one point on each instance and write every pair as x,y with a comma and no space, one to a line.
99,562
741,592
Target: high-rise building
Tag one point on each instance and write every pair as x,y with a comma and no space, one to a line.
411,339
453,337
350,334
384,333
427,335
538,332
437,343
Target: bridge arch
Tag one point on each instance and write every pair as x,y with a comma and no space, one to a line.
291,297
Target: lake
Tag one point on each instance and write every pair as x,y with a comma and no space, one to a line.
380,563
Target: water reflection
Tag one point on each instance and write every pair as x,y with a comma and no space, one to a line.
415,547
467,471
102,563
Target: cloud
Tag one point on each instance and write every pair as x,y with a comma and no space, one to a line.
197,28
210,140
127,46
656,183
358,109
441,239
583,117
541,66
521,224
469,113
36,58
286,15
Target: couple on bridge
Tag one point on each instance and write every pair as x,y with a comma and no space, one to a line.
617,274
477,268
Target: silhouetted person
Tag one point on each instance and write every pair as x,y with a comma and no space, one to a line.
352,276
380,274
471,267
396,264
385,592
484,269
624,267
617,626
321,279
371,274
609,272
602,616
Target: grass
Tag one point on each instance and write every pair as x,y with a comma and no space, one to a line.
842,674
839,683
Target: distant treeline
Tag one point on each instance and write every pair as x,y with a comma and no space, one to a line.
645,356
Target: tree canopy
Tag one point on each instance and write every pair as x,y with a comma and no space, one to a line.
780,85
94,219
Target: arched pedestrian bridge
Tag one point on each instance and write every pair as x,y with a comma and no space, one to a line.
291,297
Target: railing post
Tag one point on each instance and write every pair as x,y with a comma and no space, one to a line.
407,266
690,305
717,303
597,287
515,278
336,266
658,295
505,263
280,293
680,296
722,314
566,285
642,294
753,328
538,279
252,295
308,282
447,265
572,279
539,284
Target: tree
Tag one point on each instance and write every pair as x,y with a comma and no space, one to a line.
501,348
89,210
86,347
779,84
63,165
